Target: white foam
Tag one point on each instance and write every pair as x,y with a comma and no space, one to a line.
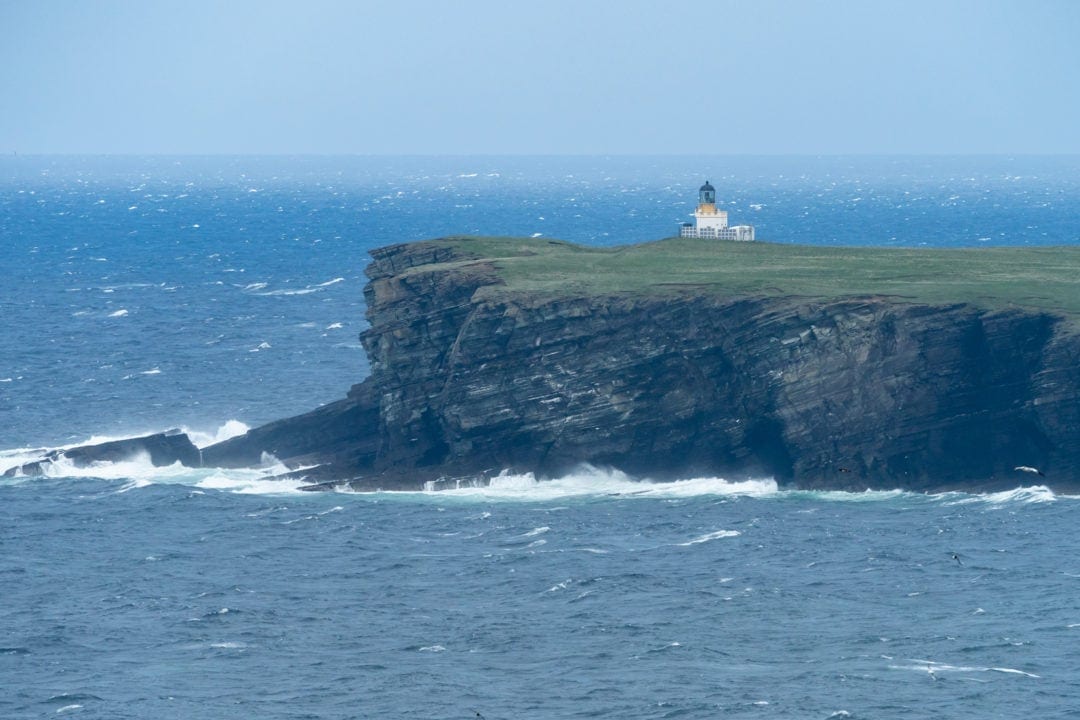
711,536
588,481
334,326
138,471
848,496
231,429
1023,495
932,667
1033,494
137,468
118,313
1014,671
249,482
152,371
302,291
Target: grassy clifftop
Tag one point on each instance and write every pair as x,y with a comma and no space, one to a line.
1042,278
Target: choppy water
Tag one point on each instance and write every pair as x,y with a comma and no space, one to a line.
145,293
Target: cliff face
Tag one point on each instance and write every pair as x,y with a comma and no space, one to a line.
850,393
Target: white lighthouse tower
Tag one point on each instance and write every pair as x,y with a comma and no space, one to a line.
712,223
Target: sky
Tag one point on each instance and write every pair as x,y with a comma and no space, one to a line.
595,77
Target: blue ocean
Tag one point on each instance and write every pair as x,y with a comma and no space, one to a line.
215,294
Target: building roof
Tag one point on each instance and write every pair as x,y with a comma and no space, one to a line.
706,186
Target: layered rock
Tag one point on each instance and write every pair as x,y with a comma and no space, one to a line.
845,393
160,449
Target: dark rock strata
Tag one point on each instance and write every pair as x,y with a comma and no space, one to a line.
161,449
847,394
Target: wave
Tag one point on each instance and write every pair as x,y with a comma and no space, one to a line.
231,429
586,482
139,472
711,536
1033,494
933,668
256,288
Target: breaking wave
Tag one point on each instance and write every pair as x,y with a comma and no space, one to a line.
590,481
258,288
587,482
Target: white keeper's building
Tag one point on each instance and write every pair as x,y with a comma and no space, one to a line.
712,223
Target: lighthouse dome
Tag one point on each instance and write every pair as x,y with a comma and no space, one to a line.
707,194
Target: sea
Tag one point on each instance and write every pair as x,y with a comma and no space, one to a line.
214,294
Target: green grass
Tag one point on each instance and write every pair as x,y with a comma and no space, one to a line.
1043,278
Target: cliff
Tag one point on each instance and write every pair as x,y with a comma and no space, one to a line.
845,368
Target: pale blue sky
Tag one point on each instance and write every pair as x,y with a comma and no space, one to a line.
551,76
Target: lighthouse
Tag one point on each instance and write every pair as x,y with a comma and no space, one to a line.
712,223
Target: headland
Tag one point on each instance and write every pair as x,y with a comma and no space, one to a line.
823,367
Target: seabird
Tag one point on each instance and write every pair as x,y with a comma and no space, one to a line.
1027,469
957,559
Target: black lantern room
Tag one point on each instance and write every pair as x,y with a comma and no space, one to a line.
707,194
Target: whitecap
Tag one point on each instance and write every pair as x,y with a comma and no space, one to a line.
249,483
932,667
589,481
119,313
276,293
334,326
1025,495
433,648
153,371
138,469
711,536
1014,671
1033,494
